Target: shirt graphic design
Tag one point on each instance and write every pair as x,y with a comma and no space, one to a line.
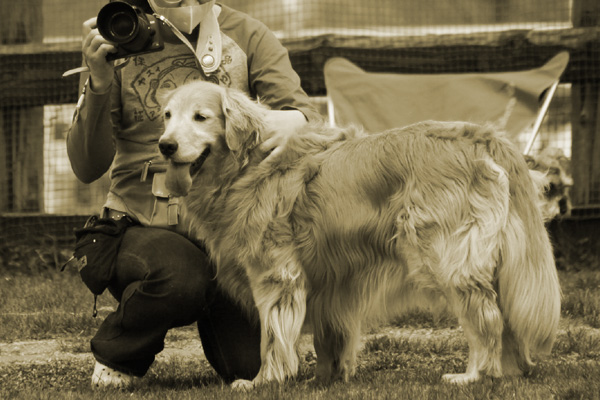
156,79
161,73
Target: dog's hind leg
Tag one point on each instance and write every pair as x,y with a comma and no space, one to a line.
280,296
482,322
513,363
464,270
468,263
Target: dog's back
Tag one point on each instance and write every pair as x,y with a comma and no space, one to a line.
367,191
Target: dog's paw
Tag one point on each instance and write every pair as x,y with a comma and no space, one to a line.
242,385
460,379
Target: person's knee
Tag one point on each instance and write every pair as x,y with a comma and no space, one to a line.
188,291
181,281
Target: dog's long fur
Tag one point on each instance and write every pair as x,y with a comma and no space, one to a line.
347,229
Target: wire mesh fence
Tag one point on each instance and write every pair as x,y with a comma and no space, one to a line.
42,38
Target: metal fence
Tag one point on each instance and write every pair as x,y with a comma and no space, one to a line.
41,39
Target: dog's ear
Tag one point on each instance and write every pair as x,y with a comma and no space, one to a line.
244,123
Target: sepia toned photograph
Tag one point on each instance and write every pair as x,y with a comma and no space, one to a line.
300,199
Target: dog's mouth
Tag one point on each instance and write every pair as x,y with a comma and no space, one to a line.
196,165
179,175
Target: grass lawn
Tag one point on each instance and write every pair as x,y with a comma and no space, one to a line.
404,360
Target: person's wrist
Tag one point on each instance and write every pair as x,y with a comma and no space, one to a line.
99,86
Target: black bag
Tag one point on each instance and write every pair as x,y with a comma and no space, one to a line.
96,248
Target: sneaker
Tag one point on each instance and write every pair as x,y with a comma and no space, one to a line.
106,377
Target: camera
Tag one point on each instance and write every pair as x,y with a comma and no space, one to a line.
128,26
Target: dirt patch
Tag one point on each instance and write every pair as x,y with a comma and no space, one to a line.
32,351
44,351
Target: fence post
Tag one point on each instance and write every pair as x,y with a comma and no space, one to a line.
21,126
585,118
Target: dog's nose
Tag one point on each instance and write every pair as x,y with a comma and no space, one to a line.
167,147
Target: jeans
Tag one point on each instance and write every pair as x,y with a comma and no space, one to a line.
162,280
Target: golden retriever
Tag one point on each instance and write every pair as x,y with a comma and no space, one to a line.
346,229
553,171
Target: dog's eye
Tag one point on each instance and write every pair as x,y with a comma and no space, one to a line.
167,115
199,117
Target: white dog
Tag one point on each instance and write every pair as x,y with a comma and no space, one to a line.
347,229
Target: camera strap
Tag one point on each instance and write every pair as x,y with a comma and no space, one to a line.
208,48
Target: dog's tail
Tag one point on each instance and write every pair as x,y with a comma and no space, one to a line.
528,286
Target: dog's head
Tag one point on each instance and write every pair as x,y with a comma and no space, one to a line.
553,169
202,118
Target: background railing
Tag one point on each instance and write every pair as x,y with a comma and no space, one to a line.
42,38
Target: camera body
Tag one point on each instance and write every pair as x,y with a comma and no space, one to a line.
126,24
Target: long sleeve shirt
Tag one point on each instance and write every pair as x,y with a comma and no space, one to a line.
119,130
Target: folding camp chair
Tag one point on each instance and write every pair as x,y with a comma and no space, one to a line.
379,101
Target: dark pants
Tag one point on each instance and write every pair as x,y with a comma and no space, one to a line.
162,281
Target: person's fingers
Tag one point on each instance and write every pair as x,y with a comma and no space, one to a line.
88,25
106,48
96,47
269,144
87,40
275,152
92,42
98,41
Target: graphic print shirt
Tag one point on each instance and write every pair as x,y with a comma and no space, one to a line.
253,60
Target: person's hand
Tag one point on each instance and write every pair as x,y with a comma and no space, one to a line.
281,125
95,49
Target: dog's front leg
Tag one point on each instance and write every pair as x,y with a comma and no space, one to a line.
280,296
336,350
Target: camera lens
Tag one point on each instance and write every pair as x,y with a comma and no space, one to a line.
119,22
129,28
122,26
